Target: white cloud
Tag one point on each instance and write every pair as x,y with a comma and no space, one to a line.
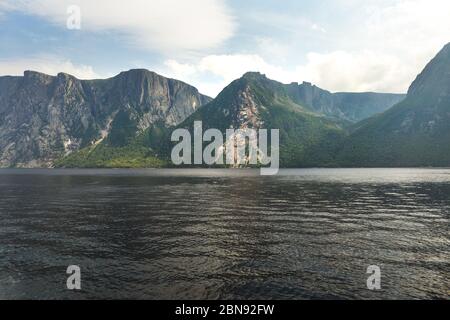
273,49
166,25
212,73
46,64
316,27
411,18
288,22
383,49
231,67
419,26
382,45
335,71
357,71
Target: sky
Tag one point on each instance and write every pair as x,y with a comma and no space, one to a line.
338,45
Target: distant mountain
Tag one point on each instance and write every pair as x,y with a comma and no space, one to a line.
415,132
351,107
43,118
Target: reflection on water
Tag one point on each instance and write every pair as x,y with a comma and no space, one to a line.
174,234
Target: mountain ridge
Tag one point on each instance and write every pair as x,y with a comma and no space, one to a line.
125,120
256,102
44,117
349,106
415,132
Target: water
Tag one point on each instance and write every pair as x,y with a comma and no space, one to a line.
209,234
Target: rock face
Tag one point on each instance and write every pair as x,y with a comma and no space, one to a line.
124,121
343,107
352,107
415,132
43,118
254,101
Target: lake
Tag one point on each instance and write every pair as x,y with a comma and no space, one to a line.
225,234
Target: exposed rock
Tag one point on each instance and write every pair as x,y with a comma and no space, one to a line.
352,107
43,118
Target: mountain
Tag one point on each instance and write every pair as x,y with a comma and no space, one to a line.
307,138
43,118
351,107
312,122
125,121
415,132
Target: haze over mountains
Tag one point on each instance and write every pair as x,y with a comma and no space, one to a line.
415,132
126,121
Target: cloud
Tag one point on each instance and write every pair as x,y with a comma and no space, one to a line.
357,71
229,67
165,25
287,22
383,47
212,73
46,64
273,49
419,25
316,27
334,71
368,45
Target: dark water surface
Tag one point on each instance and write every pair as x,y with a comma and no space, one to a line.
175,234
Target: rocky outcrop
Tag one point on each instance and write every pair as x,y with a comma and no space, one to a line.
254,101
352,107
43,117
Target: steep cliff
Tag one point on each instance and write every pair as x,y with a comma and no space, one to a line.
43,118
